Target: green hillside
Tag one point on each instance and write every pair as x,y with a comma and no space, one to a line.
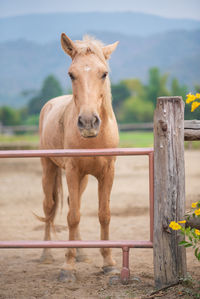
25,64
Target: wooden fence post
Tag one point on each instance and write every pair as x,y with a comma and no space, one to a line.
169,190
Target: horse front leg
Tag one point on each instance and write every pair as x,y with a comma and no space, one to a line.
80,253
74,180
105,182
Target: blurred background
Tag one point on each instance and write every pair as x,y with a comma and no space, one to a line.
158,55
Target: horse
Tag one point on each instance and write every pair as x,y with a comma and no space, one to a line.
83,120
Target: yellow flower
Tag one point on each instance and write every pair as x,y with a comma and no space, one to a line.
194,204
174,225
197,212
197,232
194,106
182,221
197,95
190,98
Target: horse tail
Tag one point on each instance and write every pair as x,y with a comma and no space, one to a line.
57,197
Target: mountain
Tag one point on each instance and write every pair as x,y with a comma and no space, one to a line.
25,64
45,28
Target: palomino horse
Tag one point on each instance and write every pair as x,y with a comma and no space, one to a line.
80,121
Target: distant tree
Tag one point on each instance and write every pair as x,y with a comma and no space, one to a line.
178,90
136,110
23,112
156,85
120,92
9,116
31,120
51,88
135,87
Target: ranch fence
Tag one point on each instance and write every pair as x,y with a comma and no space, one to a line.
192,129
21,129
166,194
125,245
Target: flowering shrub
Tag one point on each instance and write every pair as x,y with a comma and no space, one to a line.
194,99
192,235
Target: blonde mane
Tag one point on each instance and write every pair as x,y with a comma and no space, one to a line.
90,45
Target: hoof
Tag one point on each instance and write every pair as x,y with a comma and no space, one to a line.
114,280
67,276
110,270
46,259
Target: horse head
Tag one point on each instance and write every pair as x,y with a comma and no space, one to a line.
90,82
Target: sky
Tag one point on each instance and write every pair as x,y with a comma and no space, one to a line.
189,9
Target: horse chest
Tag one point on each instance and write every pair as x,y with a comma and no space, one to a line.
92,165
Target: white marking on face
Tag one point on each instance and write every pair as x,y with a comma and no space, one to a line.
87,68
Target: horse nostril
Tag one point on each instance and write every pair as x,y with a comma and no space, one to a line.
96,122
80,122
88,123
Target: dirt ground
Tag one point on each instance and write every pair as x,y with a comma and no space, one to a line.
21,274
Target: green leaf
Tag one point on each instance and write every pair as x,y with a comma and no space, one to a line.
188,245
190,238
183,243
196,252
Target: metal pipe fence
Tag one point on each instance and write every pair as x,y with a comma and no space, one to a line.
124,245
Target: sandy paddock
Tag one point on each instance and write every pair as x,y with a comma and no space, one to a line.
21,274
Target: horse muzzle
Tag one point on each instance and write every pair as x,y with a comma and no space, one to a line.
89,125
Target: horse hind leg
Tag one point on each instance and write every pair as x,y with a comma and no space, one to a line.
52,185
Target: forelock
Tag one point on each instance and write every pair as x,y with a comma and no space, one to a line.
90,45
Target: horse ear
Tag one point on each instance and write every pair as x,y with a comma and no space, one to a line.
107,50
68,45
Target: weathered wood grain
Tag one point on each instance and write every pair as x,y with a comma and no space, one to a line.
192,130
169,190
191,135
193,124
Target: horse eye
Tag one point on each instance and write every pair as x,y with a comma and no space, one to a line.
104,75
72,76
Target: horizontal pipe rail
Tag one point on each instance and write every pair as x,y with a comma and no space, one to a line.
75,244
75,152
124,245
